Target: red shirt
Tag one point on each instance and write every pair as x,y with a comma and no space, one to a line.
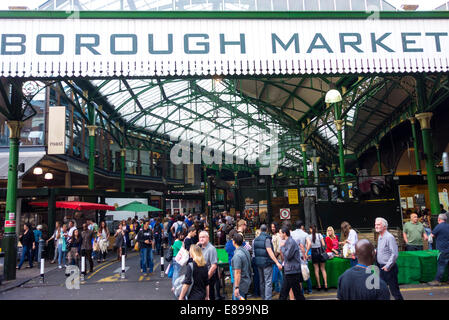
331,244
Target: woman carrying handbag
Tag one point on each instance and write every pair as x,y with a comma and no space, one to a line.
319,255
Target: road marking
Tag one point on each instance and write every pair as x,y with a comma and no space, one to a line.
106,265
113,278
119,270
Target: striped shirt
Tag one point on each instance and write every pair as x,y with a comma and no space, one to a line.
387,250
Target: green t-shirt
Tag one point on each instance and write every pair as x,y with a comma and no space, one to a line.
414,233
176,247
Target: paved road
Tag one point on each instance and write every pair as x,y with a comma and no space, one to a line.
105,284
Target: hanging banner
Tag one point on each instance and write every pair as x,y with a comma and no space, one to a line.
91,45
56,130
293,196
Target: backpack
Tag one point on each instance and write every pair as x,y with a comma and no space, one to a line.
178,283
157,230
179,228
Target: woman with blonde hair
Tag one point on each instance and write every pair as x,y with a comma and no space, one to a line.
348,239
197,273
331,242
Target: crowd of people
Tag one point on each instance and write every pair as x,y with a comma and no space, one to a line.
277,258
274,261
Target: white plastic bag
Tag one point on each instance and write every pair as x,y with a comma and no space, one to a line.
305,271
182,257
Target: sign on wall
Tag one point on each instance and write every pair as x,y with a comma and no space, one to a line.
293,196
183,47
285,213
56,130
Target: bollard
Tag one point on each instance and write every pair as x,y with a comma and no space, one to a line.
162,262
40,249
83,267
42,270
123,267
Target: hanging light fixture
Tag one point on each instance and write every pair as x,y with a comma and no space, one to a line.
38,171
333,96
48,176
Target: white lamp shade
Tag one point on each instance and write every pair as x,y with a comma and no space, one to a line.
333,96
48,176
37,171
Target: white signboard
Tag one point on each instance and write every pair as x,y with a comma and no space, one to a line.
183,47
56,130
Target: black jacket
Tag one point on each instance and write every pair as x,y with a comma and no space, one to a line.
27,239
145,235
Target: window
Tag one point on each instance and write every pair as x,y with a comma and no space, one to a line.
280,5
264,5
343,5
358,5
311,5
327,5
373,5
296,5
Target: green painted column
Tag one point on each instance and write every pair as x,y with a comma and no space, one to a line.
304,163
91,174
424,120
9,245
379,161
209,209
415,146
206,195
51,211
341,154
269,205
122,170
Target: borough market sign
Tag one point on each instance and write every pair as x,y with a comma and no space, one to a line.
181,47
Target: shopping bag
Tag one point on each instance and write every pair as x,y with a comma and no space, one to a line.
182,257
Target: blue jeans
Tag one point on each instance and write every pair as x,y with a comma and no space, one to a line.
61,255
146,259
277,279
176,269
26,251
309,286
443,260
266,287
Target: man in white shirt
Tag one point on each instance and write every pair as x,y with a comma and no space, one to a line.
302,238
72,228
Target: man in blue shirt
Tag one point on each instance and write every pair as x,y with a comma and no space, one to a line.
189,221
441,234
37,236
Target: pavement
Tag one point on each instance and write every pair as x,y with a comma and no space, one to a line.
105,283
26,274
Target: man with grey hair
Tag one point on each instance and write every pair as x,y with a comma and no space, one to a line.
387,254
211,258
441,234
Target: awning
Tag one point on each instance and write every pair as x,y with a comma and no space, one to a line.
75,205
29,158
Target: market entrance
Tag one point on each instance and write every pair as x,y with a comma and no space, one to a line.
253,101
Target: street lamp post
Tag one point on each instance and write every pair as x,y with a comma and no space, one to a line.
334,97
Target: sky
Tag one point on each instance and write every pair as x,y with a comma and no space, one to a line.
423,4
